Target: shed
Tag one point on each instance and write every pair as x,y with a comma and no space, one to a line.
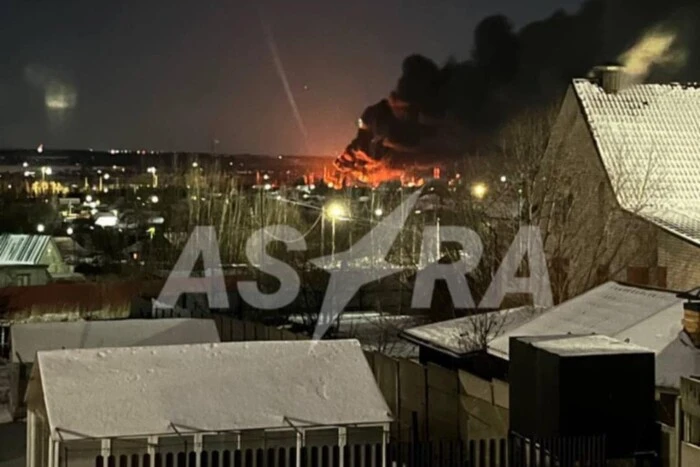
28,339
183,400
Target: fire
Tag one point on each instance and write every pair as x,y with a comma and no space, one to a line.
358,168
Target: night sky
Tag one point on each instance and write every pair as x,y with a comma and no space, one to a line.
176,75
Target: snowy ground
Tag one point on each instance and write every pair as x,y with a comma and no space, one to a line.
12,444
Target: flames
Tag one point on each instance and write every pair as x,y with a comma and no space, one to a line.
357,168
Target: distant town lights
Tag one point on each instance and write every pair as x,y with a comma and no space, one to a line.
106,176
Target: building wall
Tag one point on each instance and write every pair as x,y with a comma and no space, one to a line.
690,455
21,276
52,257
589,238
681,260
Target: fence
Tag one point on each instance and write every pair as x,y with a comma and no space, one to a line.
512,452
444,454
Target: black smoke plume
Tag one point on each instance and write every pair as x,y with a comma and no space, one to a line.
510,71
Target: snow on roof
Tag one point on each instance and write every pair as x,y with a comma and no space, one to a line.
22,249
28,339
648,137
646,317
586,345
461,335
141,391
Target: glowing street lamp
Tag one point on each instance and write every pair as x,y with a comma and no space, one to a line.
45,171
154,199
69,231
379,212
40,228
336,211
479,190
153,171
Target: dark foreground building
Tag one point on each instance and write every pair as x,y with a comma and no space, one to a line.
581,386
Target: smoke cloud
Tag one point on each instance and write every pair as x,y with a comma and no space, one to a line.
511,71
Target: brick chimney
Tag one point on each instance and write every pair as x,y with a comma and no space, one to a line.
691,317
609,77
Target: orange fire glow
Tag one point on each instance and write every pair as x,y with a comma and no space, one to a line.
357,168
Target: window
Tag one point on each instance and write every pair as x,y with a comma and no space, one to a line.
22,279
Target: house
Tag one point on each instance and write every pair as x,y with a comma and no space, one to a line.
655,319
689,439
647,317
619,181
29,338
190,400
30,260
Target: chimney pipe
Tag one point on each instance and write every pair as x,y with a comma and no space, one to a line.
691,317
609,77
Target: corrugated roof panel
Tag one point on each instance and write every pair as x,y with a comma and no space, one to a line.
22,249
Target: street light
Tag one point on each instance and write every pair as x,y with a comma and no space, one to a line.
45,171
40,228
479,190
154,199
69,231
379,212
336,211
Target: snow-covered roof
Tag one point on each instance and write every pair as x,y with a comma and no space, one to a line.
648,137
216,387
461,336
571,345
645,317
28,339
22,249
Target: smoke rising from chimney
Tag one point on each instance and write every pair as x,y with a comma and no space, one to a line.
655,48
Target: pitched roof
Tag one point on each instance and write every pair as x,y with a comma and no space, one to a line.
645,317
648,137
22,249
167,390
28,339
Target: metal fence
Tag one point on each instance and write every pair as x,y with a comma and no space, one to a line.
514,451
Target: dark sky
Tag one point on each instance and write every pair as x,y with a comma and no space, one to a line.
176,74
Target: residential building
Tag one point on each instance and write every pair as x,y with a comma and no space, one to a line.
30,260
618,185
29,338
187,400
689,423
655,319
